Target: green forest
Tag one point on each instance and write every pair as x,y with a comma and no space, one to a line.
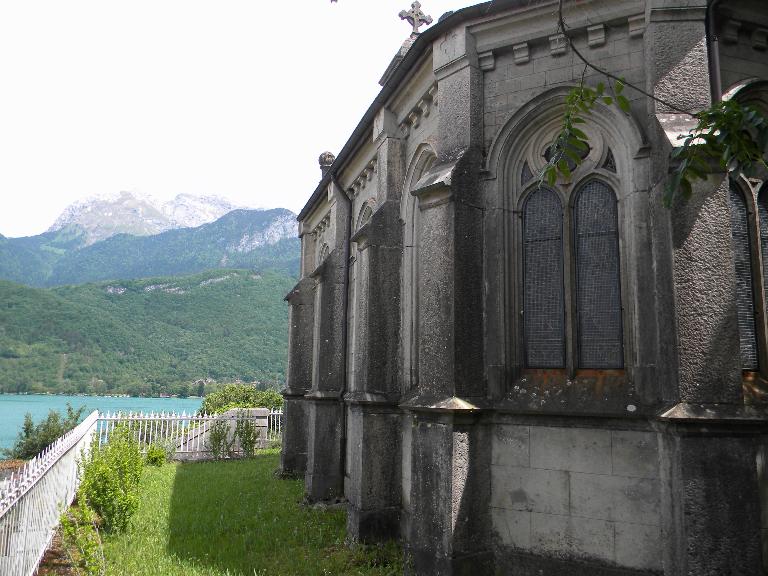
145,337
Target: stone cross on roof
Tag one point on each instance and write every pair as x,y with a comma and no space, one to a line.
415,17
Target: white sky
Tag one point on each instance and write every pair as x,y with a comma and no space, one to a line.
229,97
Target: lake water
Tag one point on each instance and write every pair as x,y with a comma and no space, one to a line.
14,406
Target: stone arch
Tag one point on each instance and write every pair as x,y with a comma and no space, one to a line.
422,160
364,216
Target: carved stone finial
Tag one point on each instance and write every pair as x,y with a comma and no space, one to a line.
325,160
415,17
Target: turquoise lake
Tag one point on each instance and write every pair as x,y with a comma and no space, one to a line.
14,406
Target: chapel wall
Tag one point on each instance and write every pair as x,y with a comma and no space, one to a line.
519,74
742,56
576,493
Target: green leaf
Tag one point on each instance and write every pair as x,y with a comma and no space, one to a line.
579,134
551,175
623,103
618,87
565,170
608,100
600,87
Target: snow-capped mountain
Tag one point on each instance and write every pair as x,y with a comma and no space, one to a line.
103,216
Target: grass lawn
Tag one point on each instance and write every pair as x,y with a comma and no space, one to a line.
235,518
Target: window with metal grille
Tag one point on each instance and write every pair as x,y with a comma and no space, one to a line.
762,211
598,281
543,298
745,298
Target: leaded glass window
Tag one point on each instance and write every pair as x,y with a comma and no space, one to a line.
543,299
762,210
745,298
598,281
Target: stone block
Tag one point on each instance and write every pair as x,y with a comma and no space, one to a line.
575,449
511,445
529,489
568,536
513,527
635,454
638,546
615,498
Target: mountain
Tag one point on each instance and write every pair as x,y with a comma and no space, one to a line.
256,239
146,336
101,217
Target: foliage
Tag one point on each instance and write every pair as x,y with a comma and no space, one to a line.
258,527
729,135
218,441
248,434
110,477
34,438
571,143
145,337
81,540
240,396
61,257
156,455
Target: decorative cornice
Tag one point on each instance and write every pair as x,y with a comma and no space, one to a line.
422,110
365,176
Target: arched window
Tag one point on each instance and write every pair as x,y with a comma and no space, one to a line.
543,293
598,280
745,293
762,210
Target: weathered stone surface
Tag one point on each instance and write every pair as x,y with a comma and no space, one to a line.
578,450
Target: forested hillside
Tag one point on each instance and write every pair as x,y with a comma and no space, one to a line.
144,337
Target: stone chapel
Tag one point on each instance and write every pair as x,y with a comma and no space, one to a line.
516,378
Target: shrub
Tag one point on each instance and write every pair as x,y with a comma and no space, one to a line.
218,439
34,438
248,434
110,479
81,540
240,396
156,455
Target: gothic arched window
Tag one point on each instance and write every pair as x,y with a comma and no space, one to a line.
543,298
745,294
598,280
569,294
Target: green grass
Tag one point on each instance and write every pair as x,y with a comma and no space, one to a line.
236,518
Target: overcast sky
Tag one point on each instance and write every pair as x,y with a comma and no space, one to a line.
229,97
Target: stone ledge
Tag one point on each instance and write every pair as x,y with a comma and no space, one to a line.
715,413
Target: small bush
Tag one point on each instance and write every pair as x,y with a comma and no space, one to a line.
156,455
218,441
34,438
81,540
110,479
240,396
248,434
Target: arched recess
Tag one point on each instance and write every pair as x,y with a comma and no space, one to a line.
422,160
749,233
615,159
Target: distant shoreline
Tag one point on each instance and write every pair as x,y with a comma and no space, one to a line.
96,395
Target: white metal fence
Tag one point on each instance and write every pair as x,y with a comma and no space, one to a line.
188,435
32,499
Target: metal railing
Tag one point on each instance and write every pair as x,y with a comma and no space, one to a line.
33,498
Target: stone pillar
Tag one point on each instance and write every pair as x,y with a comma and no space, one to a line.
324,478
711,509
449,527
293,457
373,486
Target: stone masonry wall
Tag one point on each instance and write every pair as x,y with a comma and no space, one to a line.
577,493
514,81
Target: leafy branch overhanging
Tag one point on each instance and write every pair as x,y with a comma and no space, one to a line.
727,134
